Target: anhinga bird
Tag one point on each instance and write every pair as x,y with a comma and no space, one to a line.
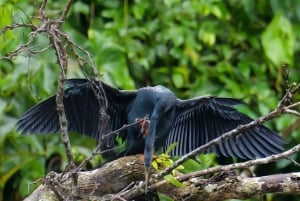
190,123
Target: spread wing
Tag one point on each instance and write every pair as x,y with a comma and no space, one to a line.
82,101
203,119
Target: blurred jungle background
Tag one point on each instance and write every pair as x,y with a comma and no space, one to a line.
232,48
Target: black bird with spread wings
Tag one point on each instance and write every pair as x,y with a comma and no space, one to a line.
190,123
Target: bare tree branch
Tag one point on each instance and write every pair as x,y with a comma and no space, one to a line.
52,29
249,163
59,41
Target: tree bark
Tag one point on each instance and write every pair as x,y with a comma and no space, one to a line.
107,183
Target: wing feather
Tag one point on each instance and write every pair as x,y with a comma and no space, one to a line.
248,151
82,107
203,119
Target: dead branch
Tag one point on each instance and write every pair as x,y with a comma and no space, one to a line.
107,182
260,161
59,41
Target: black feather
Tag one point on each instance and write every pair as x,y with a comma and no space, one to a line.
94,108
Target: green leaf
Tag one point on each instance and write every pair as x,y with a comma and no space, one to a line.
278,41
163,197
172,180
14,169
81,7
155,165
28,176
171,147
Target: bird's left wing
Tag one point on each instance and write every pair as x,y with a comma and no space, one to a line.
203,119
83,100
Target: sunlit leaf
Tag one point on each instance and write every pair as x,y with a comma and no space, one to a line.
172,180
278,41
171,147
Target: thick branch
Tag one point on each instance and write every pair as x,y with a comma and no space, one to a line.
110,179
232,186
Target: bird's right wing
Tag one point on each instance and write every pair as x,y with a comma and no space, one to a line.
91,107
203,119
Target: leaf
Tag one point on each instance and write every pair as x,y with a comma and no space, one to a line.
80,7
172,180
278,41
163,197
155,165
171,147
5,177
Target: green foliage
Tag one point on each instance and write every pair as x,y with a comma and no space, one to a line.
205,161
172,180
163,197
121,144
163,161
226,48
280,33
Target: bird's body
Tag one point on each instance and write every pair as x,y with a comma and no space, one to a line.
190,123
158,103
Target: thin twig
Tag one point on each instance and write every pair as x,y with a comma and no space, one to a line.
126,126
288,111
65,11
17,25
95,151
21,48
249,163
